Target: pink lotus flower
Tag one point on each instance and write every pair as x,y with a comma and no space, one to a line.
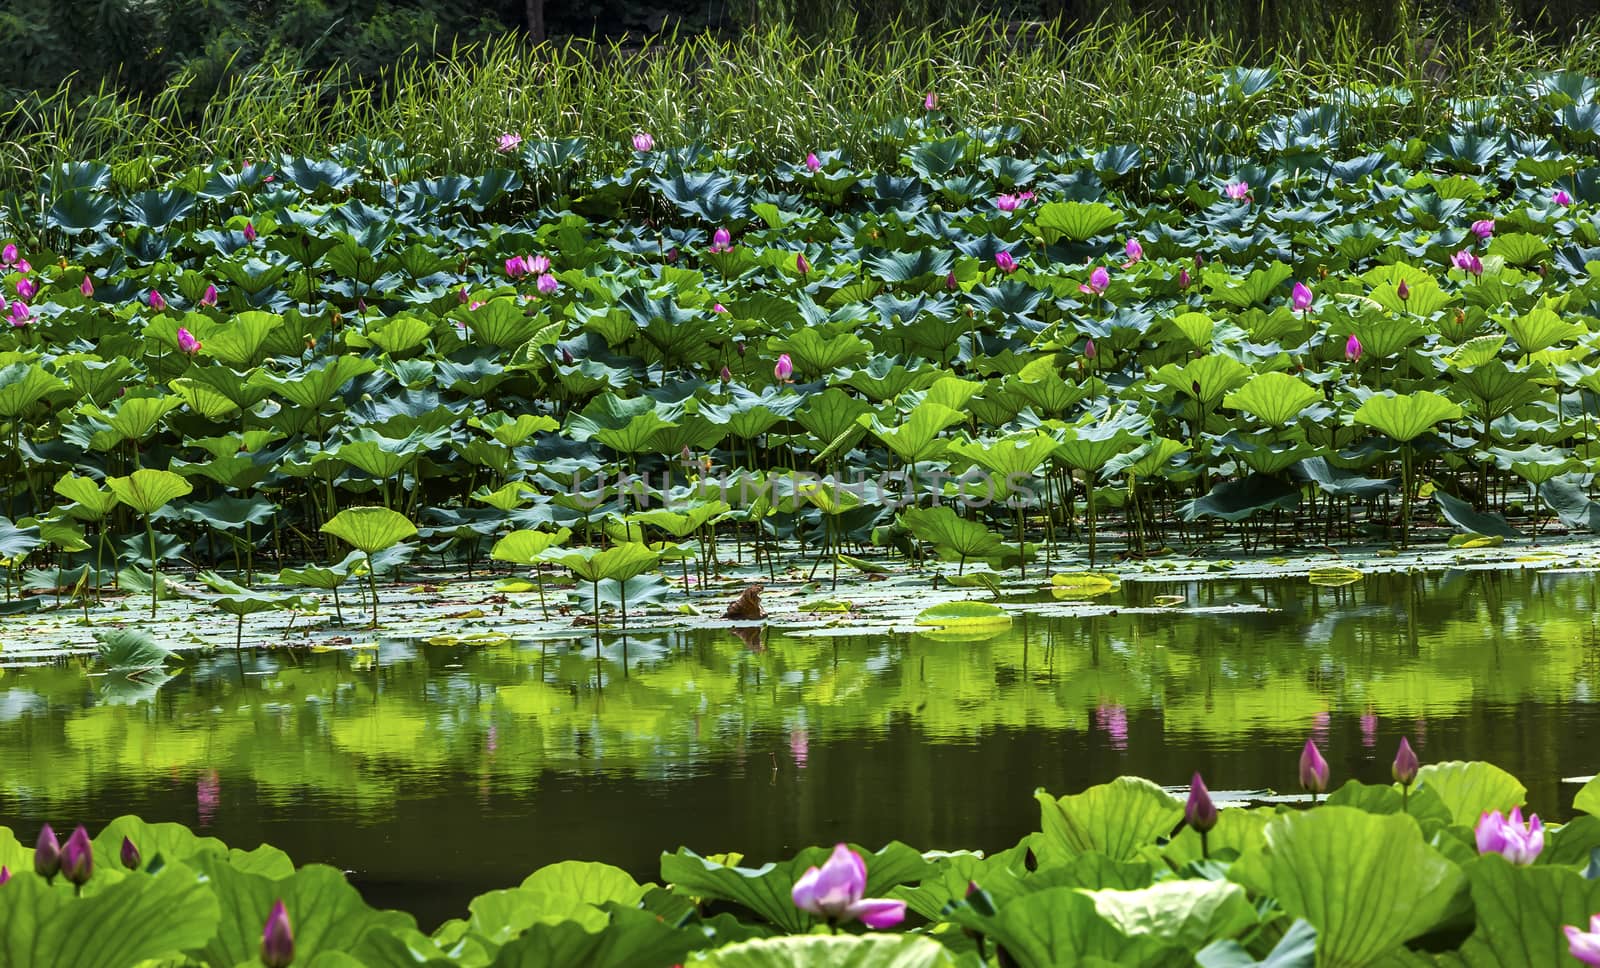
801,264
249,232
1403,291
1405,767
209,297
726,376
8,255
472,307
1238,191
1301,297
1313,769
20,316
157,301
718,308
1352,349
1467,262
1585,945
1183,278
507,142
27,288
86,287
813,163
643,142
950,282
1135,252
516,267
277,938
1005,262
186,342
1089,350
1099,281
461,295
1509,837
784,368
1008,203
1561,197
547,284
930,102
1483,228
536,264
833,892
721,241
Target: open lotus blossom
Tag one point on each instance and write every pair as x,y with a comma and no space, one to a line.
249,232
547,284
516,267
1135,252
536,263
1313,769
1005,261
784,368
1585,945
9,255
187,342
1509,837
209,297
277,938
1352,349
20,315
1561,197
77,858
1098,282
930,102
801,264
721,241
833,892
1007,203
1301,297
507,141
86,287
1237,191
718,308
1483,228
643,142
1467,262
813,163
158,302
27,288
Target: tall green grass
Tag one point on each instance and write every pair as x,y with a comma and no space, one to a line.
775,95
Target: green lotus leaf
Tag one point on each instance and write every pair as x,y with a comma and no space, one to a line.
1274,398
1405,417
1116,819
148,490
820,951
1074,221
370,529
1470,790
528,547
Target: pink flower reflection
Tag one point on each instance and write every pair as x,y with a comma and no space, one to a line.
1319,728
207,797
491,741
800,746
1113,721
1369,729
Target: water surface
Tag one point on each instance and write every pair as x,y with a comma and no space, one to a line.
435,773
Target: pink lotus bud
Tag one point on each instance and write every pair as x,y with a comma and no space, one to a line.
249,232
1005,262
566,357
1483,229
726,375
130,855
813,163
1134,250
1313,769
8,255
86,287
277,938
801,263
930,102
77,858
20,315
1089,350
1099,281
1183,278
784,370
950,282
461,295
1352,349
1200,812
1561,197
721,240
643,142
1301,298
209,297
1403,291
718,308
1405,764
157,301
547,284
27,288
47,854
187,342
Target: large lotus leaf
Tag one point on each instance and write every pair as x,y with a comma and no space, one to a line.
830,413
527,547
1476,352
137,414
500,916
515,432
230,513
1470,790
1014,454
1149,461
636,435
916,438
1495,389
1461,514
1237,829
1336,866
315,386
370,529
1041,385
383,458
620,562
1520,913
240,342
1059,926
130,650
1519,248
1274,398
1255,290
1382,336
1539,328
1074,221
203,400
1186,913
146,490
326,913
17,542
128,922
1115,819
1296,949
1215,376
502,323
1406,417
400,335
765,890
813,355
1569,500
158,208
682,523
1091,448
1423,297
1342,483
172,842
824,951
608,411
81,211
1237,500
588,881
631,939
23,386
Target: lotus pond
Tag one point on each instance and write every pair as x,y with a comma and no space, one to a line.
441,521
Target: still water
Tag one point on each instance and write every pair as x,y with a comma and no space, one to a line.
433,774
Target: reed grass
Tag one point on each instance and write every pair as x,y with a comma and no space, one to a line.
773,95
